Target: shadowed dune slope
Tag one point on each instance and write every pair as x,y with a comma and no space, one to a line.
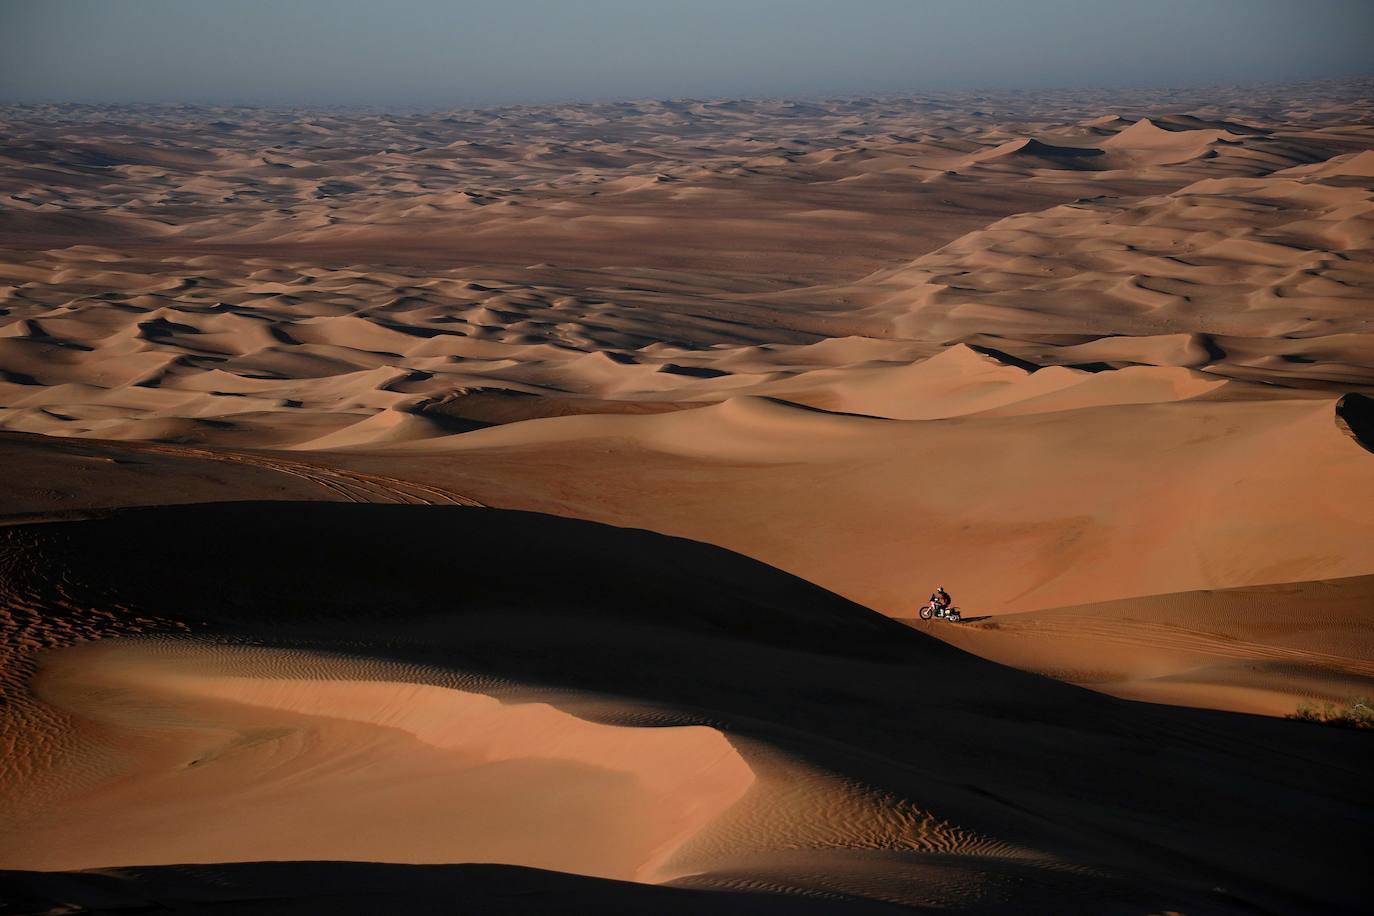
1355,415
368,888
954,782
1013,512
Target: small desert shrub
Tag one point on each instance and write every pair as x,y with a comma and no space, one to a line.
1355,714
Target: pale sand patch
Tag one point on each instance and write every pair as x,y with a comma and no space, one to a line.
205,760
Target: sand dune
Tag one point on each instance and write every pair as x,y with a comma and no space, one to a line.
1099,362
1260,649
1267,269
1035,498
369,278
437,774
843,805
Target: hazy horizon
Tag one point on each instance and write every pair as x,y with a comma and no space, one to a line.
424,54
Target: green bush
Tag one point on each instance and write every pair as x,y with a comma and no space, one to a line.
1355,714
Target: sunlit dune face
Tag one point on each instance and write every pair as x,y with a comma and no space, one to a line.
176,760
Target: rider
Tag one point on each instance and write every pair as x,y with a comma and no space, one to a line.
940,598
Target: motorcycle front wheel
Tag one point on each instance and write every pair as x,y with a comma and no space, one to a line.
926,612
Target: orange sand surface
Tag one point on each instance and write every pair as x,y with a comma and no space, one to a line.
355,768
532,507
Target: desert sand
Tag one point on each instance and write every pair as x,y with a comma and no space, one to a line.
532,507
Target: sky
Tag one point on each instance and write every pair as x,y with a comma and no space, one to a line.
462,53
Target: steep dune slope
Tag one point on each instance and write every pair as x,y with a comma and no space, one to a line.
1014,512
963,785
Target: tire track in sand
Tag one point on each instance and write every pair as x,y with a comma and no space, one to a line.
352,486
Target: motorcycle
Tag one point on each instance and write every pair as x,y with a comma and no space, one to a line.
932,609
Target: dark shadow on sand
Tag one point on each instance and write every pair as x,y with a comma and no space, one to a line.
1179,801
